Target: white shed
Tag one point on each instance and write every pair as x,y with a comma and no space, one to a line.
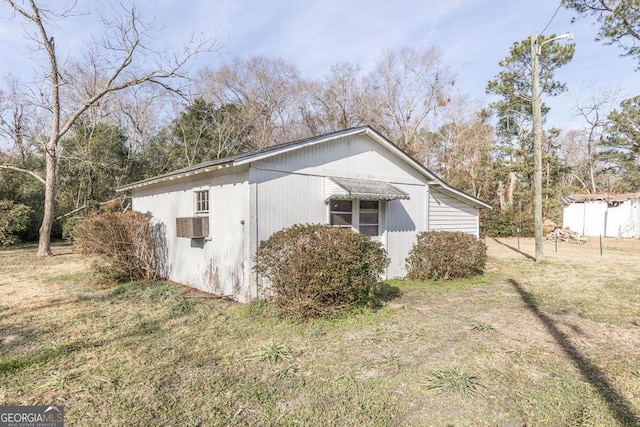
607,215
215,213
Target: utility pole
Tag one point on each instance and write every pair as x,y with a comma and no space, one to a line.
537,147
536,106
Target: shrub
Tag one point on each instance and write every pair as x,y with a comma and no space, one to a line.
314,270
14,218
498,223
126,245
69,227
442,255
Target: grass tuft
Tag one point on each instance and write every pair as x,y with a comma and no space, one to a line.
272,353
584,416
59,381
482,326
145,290
454,381
287,372
183,308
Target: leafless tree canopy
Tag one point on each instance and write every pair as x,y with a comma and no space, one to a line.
117,60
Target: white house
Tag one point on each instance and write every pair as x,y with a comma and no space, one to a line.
216,213
607,215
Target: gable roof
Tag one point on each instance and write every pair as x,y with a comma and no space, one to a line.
245,158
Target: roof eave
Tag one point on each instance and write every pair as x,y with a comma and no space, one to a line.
460,194
174,176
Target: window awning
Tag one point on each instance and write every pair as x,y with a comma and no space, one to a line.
348,188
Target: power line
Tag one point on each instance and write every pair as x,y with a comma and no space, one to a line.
551,20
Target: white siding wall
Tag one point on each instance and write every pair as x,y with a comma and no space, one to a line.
616,218
230,264
447,213
573,217
405,218
290,189
215,265
634,225
284,199
596,218
353,157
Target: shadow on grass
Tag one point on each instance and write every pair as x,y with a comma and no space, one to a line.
39,357
619,406
382,293
526,255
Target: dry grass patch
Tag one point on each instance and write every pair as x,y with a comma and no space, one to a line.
523,345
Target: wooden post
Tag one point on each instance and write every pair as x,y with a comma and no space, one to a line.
537,148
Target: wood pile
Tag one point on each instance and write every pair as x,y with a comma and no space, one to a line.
565,235
548,226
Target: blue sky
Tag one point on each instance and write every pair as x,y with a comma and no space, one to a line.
473,35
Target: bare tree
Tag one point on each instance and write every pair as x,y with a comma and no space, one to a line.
13,119
594,112
142,111
341,101
462,146
410,85
265,89
117,61
575,158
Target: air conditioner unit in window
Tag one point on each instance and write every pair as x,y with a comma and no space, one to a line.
194,227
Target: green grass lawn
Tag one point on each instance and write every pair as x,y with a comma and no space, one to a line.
547,344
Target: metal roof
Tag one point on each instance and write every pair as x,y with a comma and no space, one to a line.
603,197
367,190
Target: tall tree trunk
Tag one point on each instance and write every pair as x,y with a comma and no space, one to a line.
44,244
513,178
51,148
592,177
500,192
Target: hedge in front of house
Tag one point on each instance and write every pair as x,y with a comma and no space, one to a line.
442,255
314,270
125,245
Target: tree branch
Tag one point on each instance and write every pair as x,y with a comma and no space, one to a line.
33,174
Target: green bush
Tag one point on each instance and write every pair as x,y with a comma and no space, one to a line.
498,223
314,270
442,255
126,245
14,218
69,227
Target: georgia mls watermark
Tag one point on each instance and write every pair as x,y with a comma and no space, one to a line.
31,416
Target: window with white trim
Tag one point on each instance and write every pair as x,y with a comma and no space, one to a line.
368,217
361,215
202,201
341,213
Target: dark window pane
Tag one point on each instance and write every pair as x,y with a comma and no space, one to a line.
369,230
369,204
340,219
368,218
202,201
340,205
